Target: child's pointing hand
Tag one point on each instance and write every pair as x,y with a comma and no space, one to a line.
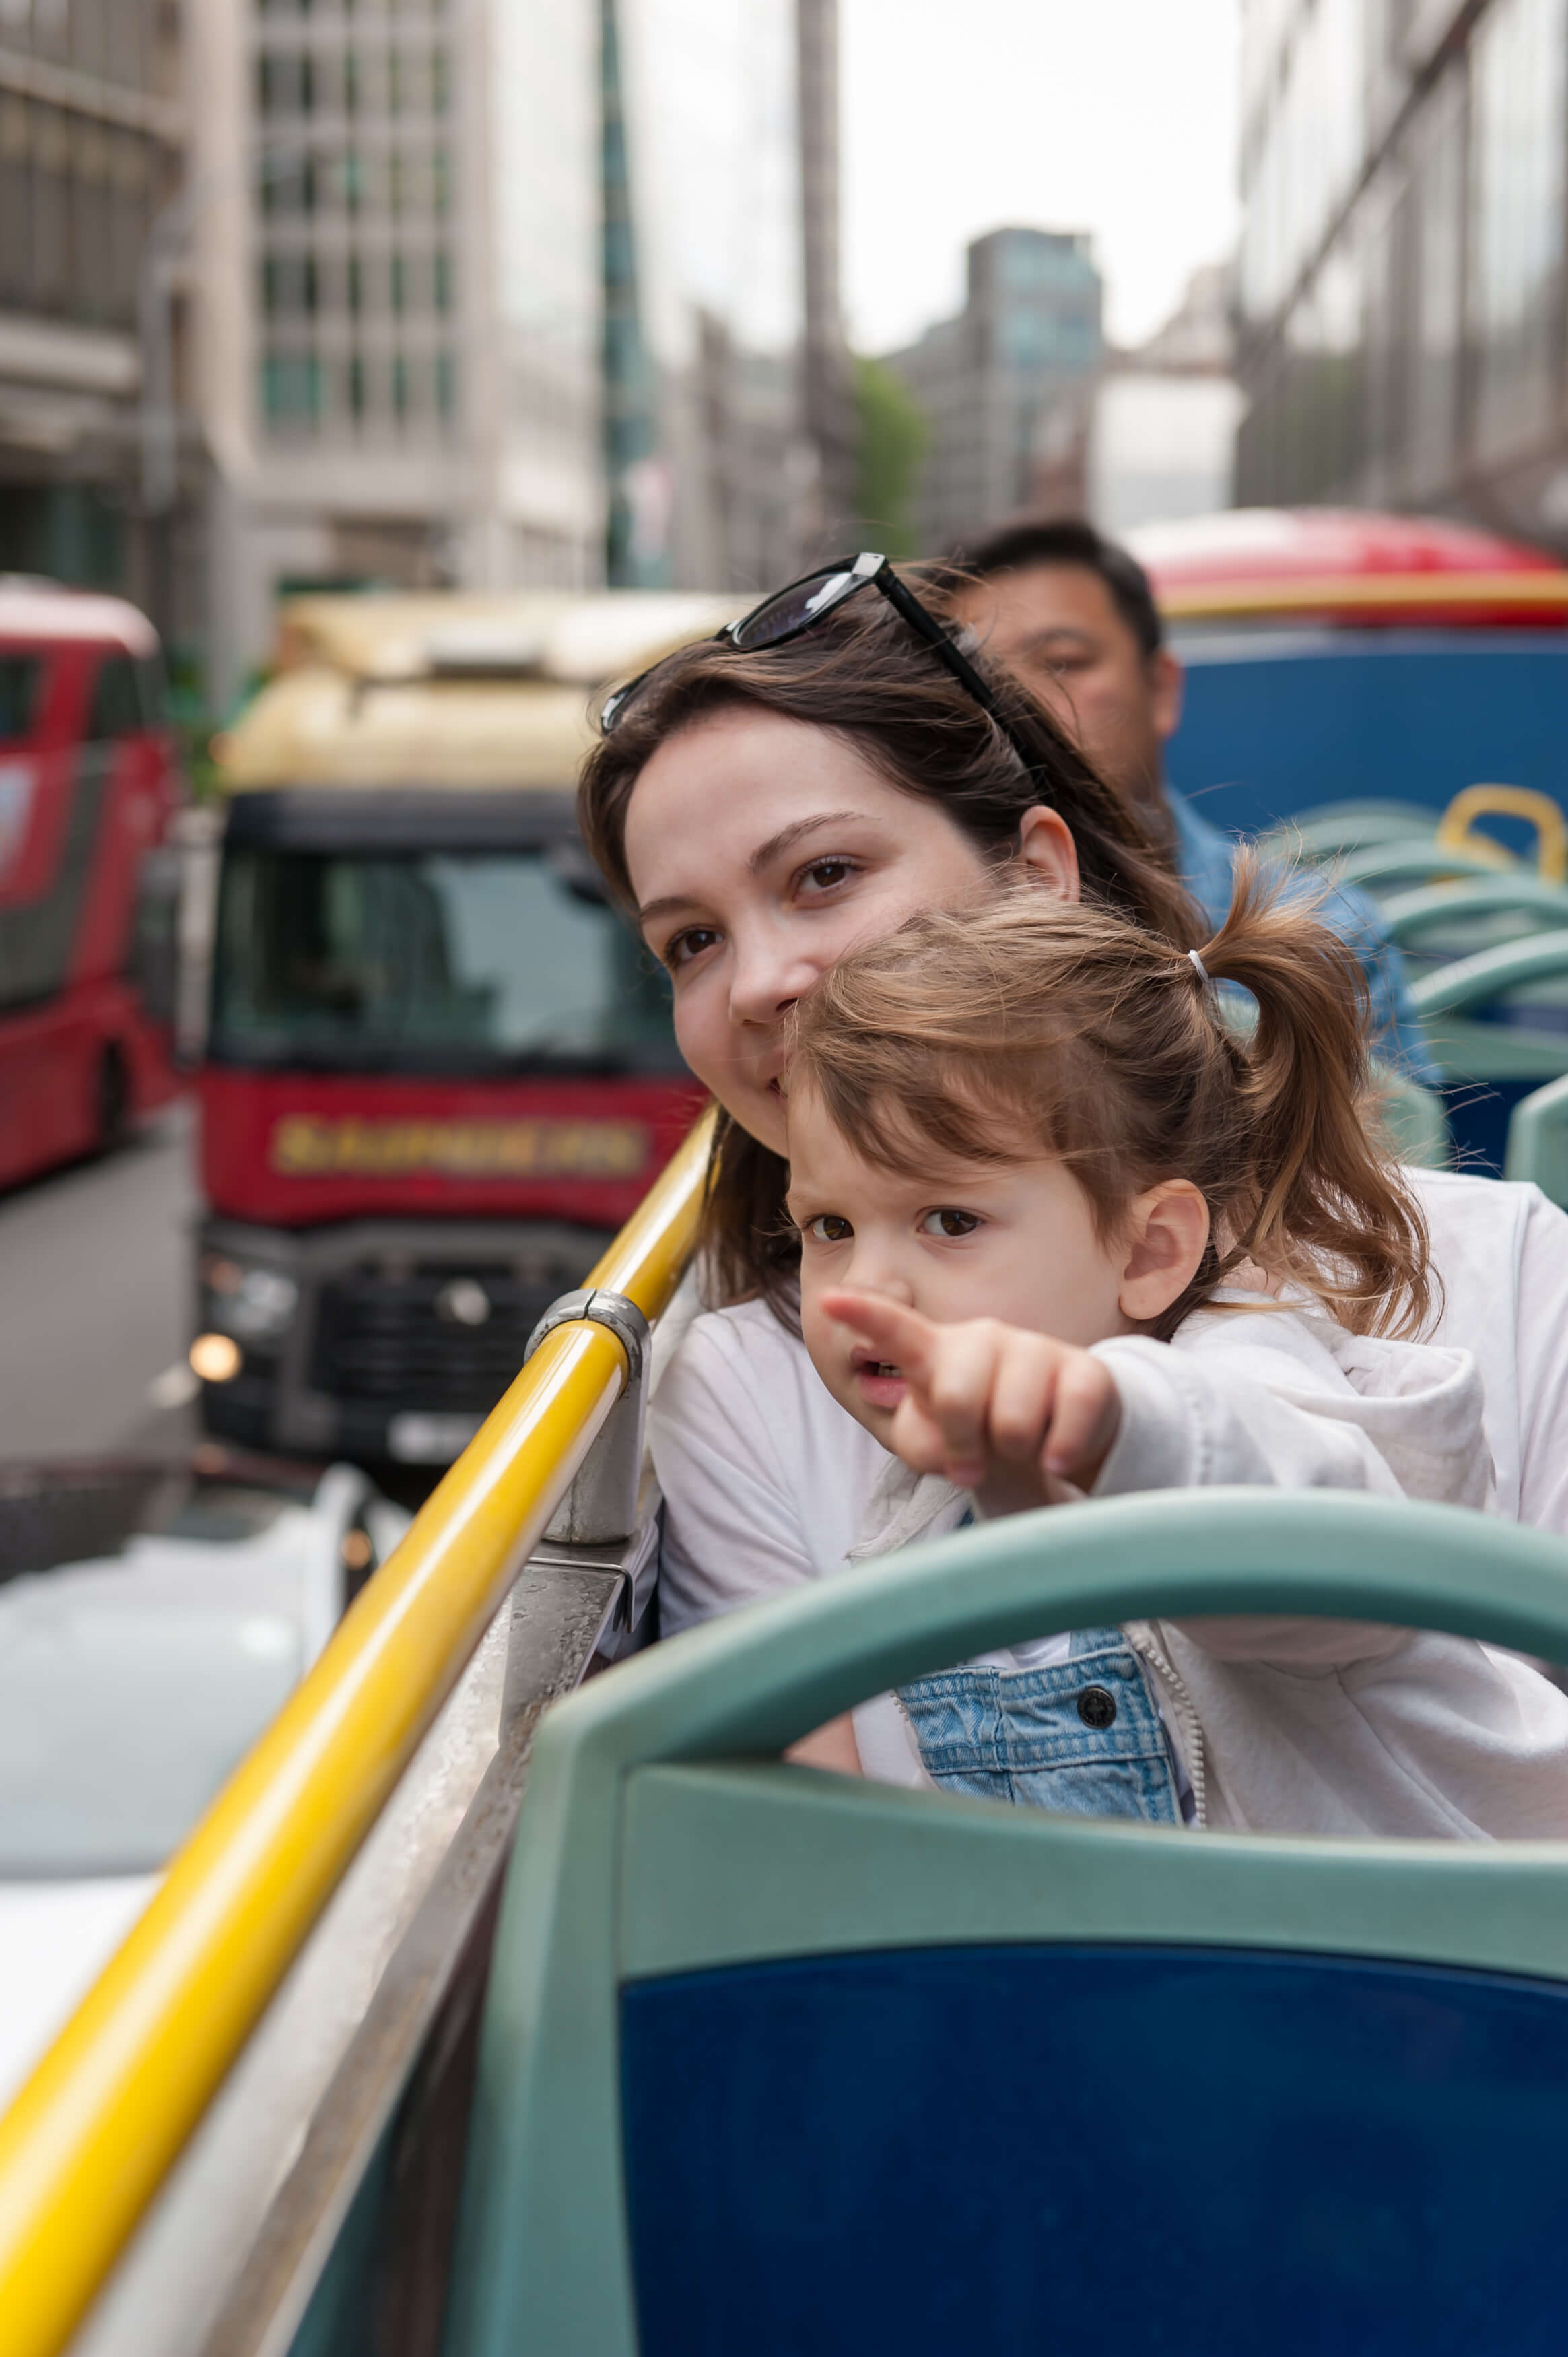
1010,1415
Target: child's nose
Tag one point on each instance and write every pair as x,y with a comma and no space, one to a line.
872,1271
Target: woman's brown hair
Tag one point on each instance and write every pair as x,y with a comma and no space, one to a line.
1038,1026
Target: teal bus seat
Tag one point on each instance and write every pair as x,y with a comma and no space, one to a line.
1329,830
1538,1141
1413,1118
1381,867
1497,1026
1444,921
779,2062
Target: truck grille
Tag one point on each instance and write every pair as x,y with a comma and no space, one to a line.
414,1341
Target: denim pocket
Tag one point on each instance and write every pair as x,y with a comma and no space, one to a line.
1083,1737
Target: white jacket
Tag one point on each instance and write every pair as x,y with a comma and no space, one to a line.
1298,1724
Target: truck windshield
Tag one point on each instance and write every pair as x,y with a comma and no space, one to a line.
409,962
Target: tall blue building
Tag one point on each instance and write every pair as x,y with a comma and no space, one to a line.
1030,330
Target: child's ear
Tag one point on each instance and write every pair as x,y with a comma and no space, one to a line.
1167,1233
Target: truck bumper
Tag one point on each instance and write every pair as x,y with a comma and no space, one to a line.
376,1338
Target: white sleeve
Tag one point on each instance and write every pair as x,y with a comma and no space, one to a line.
1541,1311
1267,1406
1248,1418
731,1533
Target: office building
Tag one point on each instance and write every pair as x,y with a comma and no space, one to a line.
731,461
90,137
1152,436
1402,278
395,271
1029,331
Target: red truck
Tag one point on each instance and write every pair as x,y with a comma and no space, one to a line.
439,1071
89,787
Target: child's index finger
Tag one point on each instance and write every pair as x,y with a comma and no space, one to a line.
902,1333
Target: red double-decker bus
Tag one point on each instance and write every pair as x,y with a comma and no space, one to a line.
87,786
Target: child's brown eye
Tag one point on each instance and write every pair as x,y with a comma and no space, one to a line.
828,1228
950,1223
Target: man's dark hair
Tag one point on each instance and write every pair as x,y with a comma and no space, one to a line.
1067,540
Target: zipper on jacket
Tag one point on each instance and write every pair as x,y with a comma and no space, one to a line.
1141,1635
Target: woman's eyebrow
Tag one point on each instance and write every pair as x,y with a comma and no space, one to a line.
671,905
787,836
674,902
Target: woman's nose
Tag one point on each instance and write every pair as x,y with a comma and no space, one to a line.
768,978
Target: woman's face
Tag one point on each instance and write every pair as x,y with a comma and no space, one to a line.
760,849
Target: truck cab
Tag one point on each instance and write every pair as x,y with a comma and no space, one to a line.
439,1070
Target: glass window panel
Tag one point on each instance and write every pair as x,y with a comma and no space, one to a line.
115,709
1516,222
483,961
1439,196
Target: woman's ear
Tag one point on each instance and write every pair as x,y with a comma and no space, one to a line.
1048,850
1167,1233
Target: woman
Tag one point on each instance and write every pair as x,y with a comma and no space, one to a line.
762,802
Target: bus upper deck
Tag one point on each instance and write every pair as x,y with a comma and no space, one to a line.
312,2023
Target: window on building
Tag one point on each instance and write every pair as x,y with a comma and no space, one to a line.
1438,193
1516,227
291,388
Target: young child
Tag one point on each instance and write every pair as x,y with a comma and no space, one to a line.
1068,1229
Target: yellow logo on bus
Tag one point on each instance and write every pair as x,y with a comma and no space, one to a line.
305,1146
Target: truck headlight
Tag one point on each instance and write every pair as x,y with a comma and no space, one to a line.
246,1299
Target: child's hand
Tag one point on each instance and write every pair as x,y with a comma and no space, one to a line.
1014,1416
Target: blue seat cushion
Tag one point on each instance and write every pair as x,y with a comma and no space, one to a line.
1204,2153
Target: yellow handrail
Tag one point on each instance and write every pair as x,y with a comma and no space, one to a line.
92,2136
1456,827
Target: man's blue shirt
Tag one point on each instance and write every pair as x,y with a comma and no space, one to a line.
1207,856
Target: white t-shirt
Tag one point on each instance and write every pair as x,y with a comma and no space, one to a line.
766,1478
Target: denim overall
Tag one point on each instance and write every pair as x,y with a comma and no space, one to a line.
1083,1737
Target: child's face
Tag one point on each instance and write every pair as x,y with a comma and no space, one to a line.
1012,1241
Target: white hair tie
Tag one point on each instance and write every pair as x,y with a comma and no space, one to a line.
1200,969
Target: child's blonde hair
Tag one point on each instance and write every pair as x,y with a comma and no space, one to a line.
1038,1025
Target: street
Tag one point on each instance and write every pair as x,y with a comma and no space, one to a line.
95,1277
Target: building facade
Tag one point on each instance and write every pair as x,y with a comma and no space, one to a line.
1152,436
1402,311
731,486
395,276
1030,331
91,134
495,294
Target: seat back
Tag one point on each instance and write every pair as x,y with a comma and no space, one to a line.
1414,1119
1493,1043
777,2061
1538,1140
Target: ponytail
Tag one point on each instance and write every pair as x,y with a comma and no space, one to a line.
1324,1205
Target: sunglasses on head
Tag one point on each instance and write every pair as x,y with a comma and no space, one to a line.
790,612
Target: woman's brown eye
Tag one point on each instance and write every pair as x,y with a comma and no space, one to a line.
828,872
688,945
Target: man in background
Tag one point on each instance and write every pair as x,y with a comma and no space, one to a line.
1073,616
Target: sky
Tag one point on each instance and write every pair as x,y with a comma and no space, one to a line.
1117,116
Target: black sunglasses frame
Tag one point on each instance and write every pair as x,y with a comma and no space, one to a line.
866,571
